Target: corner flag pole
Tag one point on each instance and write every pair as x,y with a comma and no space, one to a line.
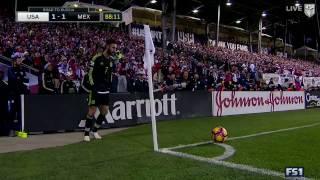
148,63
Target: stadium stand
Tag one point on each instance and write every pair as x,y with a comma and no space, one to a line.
187,66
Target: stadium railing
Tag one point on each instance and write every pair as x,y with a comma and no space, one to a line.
7,61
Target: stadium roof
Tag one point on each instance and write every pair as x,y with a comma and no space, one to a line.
248,11
300,27
89,5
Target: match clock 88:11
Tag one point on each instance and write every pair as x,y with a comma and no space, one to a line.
112,16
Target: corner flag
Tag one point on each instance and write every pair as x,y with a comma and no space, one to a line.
149,48
148,60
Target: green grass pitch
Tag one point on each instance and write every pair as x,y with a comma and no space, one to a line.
128,154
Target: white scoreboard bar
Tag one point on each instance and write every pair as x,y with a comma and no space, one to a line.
32,16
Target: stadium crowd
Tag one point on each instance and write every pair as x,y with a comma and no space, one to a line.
64,51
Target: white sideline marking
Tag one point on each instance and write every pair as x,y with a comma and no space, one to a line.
276,131
228,153
246,136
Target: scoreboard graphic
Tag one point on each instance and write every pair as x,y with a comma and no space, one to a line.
61,14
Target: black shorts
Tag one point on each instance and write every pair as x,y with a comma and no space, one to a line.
98,99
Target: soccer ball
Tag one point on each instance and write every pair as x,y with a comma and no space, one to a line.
219,134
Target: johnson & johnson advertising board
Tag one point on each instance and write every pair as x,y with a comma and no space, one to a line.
247,102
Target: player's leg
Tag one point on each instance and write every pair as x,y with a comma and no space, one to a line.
89,122
102,102
90,117
102,117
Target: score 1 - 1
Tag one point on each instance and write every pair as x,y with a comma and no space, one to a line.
57,17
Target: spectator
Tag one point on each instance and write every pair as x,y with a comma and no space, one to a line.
38,61
48,81
286,83
171,84
130,83
114,83
271,85
122,84
68,86
197,83
140,84
4,98
185,82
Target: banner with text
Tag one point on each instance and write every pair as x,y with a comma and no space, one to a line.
186,37
156,33
309,82
138,30
312,99
278,78
233,46
247,102
64,112
268,76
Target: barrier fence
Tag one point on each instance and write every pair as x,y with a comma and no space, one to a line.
64,112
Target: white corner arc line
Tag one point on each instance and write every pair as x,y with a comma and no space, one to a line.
225,164
245,136
242,167
229,151
219,160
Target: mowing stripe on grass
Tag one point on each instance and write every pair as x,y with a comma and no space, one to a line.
246,136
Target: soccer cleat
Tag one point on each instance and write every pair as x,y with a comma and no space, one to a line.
86,138
96,135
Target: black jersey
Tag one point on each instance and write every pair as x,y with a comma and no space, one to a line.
16,79
47,85
100,73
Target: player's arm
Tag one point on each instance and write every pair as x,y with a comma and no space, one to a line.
110,72
92,67
62,87
83,85
90,73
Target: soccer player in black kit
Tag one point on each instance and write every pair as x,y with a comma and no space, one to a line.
100,75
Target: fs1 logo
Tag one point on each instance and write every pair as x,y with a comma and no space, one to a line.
294,173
